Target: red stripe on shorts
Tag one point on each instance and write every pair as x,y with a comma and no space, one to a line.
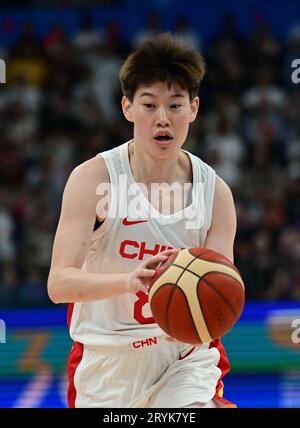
73,361
223,365
69,314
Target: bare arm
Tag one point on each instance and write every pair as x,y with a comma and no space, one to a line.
220,237
67,282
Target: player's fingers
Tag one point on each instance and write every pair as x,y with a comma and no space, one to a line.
169,252
155,260
146,272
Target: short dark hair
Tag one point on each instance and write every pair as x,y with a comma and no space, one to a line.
163,58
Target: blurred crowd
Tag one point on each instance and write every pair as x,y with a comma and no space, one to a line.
58,3
61,106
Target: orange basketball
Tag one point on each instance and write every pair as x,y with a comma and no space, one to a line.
197,295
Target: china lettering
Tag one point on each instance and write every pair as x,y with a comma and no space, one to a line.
296,72
2,71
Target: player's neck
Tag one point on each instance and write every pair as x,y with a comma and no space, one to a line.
148,170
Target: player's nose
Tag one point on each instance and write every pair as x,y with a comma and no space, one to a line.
162,117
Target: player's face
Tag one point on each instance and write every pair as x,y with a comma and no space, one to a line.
161,117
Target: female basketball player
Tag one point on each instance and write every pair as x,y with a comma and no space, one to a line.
120,357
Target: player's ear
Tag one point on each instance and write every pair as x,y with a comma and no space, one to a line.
127,108
194,108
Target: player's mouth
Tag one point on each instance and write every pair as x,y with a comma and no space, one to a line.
163,138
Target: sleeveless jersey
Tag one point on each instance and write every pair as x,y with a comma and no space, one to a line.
127,236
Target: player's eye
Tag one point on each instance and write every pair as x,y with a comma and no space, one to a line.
175,106
149,106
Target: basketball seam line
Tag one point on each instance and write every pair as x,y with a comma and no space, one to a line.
203,313
225,300
201,254
222,273
232,266
185,269
212,271
168,306
176,284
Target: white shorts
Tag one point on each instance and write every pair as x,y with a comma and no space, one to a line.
166,376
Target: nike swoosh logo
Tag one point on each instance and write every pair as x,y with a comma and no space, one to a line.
182,357
127,222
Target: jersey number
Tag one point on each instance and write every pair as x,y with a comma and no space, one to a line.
138,309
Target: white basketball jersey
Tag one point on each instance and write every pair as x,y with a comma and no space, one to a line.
128,236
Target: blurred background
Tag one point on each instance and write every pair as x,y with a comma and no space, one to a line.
60,106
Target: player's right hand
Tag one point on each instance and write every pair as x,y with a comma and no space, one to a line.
140,278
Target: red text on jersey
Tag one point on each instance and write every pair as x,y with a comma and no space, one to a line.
133,249
146,342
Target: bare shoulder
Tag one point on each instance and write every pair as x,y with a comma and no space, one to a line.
90,172
223,207
81,191
222,190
